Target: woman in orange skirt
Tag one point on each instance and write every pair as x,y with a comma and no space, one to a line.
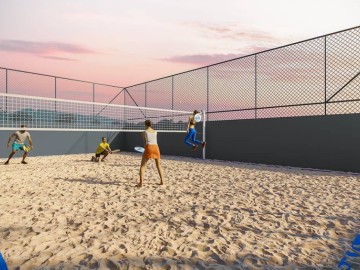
151,151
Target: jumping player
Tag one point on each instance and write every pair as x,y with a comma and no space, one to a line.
191,133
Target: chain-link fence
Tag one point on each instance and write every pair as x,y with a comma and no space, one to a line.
319,76
41,85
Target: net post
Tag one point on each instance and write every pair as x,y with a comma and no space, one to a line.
204,134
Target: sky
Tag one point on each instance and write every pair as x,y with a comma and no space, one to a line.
125,42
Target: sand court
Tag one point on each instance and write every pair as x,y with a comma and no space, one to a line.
65,212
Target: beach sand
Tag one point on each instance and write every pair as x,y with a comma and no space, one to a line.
65,212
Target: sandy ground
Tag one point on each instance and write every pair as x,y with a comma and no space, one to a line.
65,212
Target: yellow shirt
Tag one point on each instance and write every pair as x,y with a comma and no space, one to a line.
101,147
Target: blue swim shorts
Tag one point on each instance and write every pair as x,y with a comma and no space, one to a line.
17,146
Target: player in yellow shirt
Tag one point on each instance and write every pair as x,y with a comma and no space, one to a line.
103,149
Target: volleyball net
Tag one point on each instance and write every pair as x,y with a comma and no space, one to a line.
53,114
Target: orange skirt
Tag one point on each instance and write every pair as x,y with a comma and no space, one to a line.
152,151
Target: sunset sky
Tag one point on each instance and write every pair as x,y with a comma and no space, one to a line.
124,42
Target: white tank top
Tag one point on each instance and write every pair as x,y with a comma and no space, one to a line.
151,137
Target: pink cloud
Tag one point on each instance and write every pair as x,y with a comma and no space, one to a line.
42,48
201,59
207,59
60,58
232,32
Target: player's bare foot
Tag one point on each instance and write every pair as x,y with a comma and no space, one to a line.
24,162
6,163
138,185
195,147
203,144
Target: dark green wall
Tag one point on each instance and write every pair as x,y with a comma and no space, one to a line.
321,142
60,142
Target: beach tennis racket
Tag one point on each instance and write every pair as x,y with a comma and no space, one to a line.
27,148
115,151
2,263
197,117
139,149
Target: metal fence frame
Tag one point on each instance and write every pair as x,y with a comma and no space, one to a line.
194,89
56,78
328,98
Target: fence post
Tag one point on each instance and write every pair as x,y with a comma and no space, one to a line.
93,102
204,133
125,114
6,88
124,96
172,92
55,94
325,75
6,81
207,90
145,97
255,86
145,94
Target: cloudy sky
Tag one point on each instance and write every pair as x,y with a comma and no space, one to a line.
124,42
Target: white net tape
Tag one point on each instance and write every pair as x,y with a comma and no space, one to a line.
39,113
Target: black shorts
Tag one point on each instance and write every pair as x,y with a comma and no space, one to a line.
102,153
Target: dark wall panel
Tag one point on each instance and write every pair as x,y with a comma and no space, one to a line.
321,142
61,142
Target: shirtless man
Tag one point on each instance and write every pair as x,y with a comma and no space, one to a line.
19,143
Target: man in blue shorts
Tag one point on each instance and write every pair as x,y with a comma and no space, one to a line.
19,143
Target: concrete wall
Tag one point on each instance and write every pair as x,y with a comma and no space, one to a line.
321,142
60,142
